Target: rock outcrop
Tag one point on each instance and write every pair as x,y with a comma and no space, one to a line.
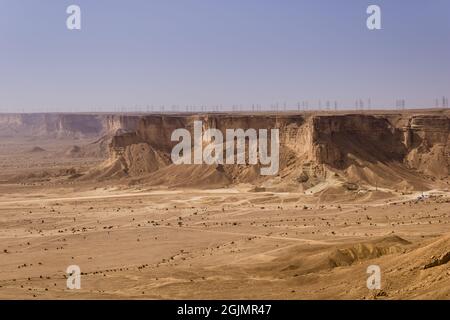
404,151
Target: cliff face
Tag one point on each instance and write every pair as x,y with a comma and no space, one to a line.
427,139
385,149
337,139
116,124
404,150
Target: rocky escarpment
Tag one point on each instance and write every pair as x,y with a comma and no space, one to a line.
65,125
402,151
51,125
369,147
427,140
408,150
101,128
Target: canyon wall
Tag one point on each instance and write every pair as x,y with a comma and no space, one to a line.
408,150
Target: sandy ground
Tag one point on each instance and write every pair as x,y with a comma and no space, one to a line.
159,243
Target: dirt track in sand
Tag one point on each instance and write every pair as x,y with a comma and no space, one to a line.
133,247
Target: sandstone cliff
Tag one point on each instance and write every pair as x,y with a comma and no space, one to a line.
397,151
404,151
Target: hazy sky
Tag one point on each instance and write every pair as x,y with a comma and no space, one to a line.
221,52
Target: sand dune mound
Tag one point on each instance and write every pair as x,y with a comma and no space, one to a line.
433,254
421,264
299,260
136,160
200,176
420,273
393,175
364,251
36,150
